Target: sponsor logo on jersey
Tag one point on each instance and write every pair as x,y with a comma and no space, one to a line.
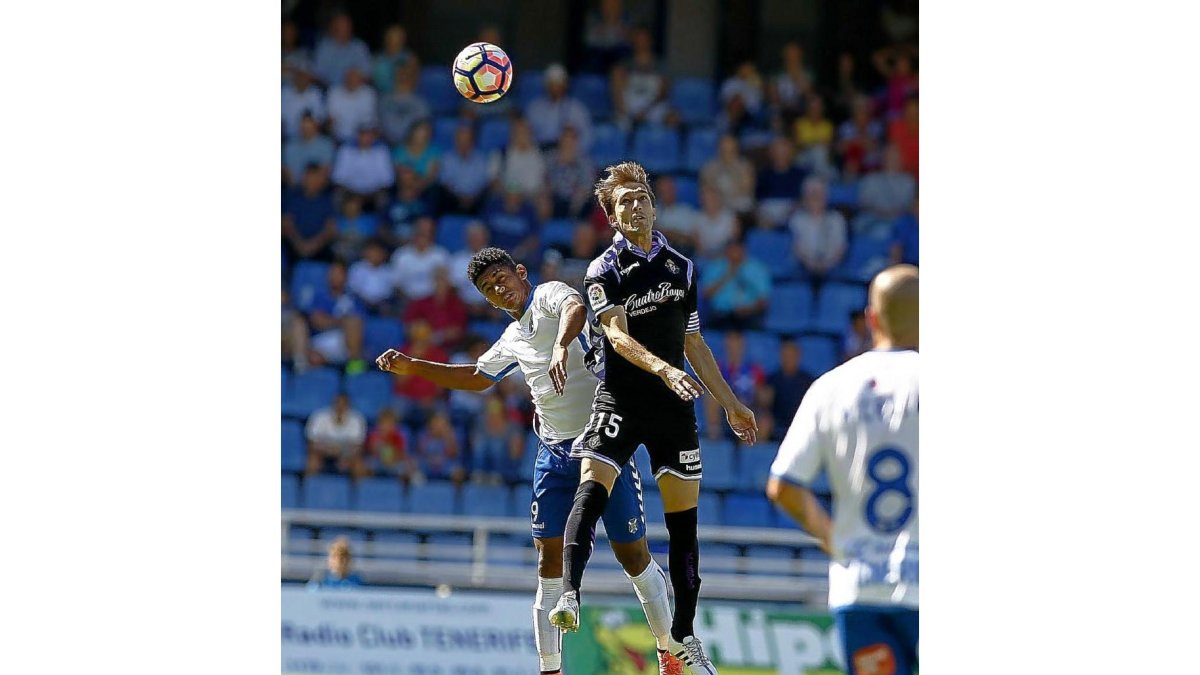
597,296
876,659
687,456
539,526
672,266
633,523
665,292
692,467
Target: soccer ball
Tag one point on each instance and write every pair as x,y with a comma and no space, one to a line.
482,72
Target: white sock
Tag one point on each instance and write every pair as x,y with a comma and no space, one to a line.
547,637
651,588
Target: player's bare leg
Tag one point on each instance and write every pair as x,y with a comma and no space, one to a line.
596,479
650,583
680,499
548,638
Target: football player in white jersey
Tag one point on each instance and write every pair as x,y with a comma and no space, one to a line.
545,342
859,423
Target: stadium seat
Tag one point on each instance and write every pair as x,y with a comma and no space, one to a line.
290,487
709,509
452,231
382,495
437,88
657,148
754,466
558,231
370,392
326,492
652,503
752,139
865,257
720,470
789,308
293,448
820,354
443,131
380,334
763,349
307,278
774,249
488,330
744,510
695,98
529,459
530,86
701,147
592,92
285,380
493,134
843,194
687,190
311,390
433,498
355,535
609,144
490,501
395,537
834,304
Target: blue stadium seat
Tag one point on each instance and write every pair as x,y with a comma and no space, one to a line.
380,334
311,390
720,470
491,501
493,134
789,308
382,495
774,249
285,380
433,498
394,537
763,349
528,461
437,87
701,147
657,148
356,536
308,277
530,86
610,144
834,304
592,91
443,131
558,231
652,503
326,492
695,98
452,231
865,257
488,330
843,194
709,509
687,190
748,511
819,354
754,466
290,487
752,139
370,392
292,447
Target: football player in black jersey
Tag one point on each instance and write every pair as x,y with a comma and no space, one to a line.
642,295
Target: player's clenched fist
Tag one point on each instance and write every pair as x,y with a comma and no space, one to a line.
393,361
682,384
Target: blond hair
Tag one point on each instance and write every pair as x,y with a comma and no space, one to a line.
618,175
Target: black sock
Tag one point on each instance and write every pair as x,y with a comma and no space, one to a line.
684,558
590,500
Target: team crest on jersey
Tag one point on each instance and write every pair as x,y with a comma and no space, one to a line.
633,525
672,266
597,296
593,442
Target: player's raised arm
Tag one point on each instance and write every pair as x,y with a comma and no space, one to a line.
570,325
616,329
740,418
449,375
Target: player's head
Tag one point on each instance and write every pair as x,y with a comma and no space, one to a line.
893,307
625,195
503,282
339,557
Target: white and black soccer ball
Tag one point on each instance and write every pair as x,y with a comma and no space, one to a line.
482,72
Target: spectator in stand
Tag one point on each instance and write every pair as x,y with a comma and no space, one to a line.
513,223
731,175
478,238
747,84
402,107
814,137
299,97
445,313
520,167
395,57
734,119
413,265
309,221
372,281
294,56
310,147
887,193
571,174
896,67
550,269
386,452
736,289
335,437
340,52
849,87
785,388
352,105
585,247
819,232
497,445
640,85
858,337
420,154
904,133
464,174
744,378
338,574
859,140
673,218
465,405
555,112
354,228
329,327
363,169
791,86
905,244
716,225
605,37
419,398
438,451
778,184
407,206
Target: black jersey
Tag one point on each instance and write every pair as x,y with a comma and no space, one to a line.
658,290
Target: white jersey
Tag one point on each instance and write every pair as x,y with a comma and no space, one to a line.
859,422
529,344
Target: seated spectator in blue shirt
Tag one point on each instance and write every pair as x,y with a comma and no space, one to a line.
782,394
309,223
736,288
745,378
905,243
364,169
402,107
778,185
340,51
419,154
395,56
299,97
553,113
464,174
329,327
310,147
513,223
408,205
338,574
497,445
354,228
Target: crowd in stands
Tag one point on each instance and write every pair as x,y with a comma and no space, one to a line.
789,192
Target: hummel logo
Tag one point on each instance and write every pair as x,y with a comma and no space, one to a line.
629,269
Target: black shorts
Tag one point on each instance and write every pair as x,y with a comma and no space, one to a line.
669,432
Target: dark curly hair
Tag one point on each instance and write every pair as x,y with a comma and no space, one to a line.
485,258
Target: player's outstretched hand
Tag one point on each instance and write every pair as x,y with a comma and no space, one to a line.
393,361
558,369
741,420
684,386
